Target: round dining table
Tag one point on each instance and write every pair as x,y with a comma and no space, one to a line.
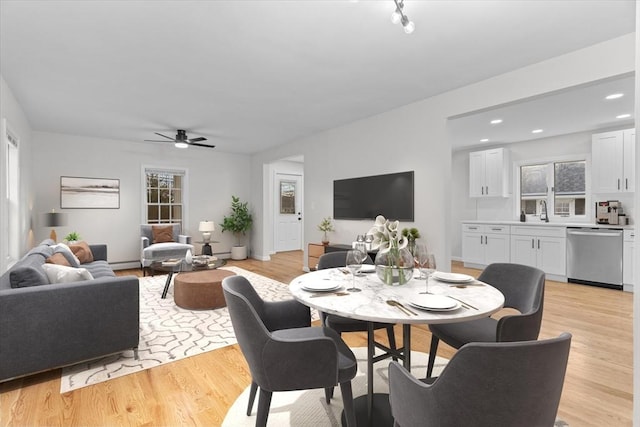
326,291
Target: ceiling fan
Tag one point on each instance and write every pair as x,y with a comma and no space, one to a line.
181,140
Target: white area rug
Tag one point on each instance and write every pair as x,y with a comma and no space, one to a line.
308,407
169,333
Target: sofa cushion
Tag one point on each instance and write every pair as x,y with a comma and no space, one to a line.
23,276
44,250
162,233
99,269
82,251
64,250
58,258
63,274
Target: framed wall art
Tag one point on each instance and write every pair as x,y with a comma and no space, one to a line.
89,193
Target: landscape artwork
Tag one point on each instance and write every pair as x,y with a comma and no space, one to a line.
89,193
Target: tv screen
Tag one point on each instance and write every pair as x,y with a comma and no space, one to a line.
390,195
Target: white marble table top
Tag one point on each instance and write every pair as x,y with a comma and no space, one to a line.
370,304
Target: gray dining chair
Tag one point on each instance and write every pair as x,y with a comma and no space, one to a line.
485,385
342,324
523,290
283,352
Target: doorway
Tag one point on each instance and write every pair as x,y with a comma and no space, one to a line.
288,212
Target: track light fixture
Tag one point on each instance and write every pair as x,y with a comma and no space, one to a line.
398,16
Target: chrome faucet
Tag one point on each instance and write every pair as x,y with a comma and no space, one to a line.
543,213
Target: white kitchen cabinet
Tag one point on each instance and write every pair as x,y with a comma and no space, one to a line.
488,173
627,260
541,247
484,244
613,161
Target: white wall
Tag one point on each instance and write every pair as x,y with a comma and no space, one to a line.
213,177
416,137
19,124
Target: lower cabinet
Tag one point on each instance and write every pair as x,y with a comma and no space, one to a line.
541,247
485,244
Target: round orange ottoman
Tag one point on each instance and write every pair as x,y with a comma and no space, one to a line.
200,290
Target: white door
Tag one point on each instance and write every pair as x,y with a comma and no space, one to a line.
288,212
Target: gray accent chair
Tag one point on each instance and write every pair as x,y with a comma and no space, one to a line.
485,385
299,357
342,324
523,289
150,252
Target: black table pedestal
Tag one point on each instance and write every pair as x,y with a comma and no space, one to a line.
380,415
206,249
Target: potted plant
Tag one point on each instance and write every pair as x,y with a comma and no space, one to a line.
72,237
325,226
239,222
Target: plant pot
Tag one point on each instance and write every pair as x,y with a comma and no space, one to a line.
394,267
325,242
238,252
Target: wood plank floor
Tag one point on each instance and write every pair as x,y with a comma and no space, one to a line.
199,390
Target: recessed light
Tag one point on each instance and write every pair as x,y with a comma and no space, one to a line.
484,140
614,96
496,121
623,116
537,131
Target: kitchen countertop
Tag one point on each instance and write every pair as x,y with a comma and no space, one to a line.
550,224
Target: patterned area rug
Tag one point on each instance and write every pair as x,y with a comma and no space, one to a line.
169,333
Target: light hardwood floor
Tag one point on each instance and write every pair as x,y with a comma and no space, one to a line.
199,390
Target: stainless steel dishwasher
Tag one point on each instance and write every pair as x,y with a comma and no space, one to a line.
594,256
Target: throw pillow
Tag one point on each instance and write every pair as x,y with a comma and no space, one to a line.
21,277
64,250
82,251
63,274
58,258
162,234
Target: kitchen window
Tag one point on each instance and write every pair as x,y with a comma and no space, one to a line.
557,188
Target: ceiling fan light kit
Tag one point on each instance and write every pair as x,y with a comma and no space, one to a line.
181,140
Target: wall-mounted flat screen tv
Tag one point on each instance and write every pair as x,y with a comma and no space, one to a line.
389,195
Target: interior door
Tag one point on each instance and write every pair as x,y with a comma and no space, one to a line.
288,212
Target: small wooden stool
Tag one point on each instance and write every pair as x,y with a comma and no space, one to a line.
200,290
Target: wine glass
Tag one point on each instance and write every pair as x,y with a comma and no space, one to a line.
429,268
362,247
421,258
354,261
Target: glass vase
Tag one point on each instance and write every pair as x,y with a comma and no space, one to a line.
394,267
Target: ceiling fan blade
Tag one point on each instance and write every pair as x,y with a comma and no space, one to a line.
202,145
200,138
158,140
165,136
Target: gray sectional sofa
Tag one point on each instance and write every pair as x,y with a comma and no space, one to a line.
45,326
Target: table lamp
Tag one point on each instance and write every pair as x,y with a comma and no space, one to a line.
54,219
206,227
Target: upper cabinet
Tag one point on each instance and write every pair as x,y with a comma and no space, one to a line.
488,173
613,161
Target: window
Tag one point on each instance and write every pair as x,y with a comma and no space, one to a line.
557,187
165,196
12,201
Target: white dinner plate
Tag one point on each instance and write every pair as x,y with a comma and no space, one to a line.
452,277
434,302
324,286
367,268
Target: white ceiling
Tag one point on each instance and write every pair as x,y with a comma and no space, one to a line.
249,75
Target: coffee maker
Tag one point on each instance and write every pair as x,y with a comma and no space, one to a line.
607,212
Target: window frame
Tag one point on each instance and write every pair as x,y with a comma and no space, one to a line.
184,172
550,162
11,209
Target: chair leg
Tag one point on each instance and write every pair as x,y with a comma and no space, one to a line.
391,335
347,402
432,354
264,402
323,317
144,270
252,397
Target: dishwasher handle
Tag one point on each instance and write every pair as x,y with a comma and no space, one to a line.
595,233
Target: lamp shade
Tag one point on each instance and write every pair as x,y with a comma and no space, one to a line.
207,226
55,219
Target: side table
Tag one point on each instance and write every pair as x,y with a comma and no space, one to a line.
180,267
206,246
